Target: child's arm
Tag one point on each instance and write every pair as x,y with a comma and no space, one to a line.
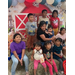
47,58
27,32
51,56
50,33
46,32
58,25
15,54
32,55
23,52
57,54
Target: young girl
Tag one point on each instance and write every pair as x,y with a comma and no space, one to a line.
48,53
55,22
57,53
37,54
18,53
62,35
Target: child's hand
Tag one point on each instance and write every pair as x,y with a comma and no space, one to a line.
59,55
21,62
46,32
50,33
32,58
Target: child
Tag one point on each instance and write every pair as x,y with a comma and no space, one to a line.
37,52
48,53
50,32
55,22
57,49
62,35
44,18
31,29
18,53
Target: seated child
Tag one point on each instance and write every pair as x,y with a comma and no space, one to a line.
62,35
48,53
57,49
18,53
36,55
50,32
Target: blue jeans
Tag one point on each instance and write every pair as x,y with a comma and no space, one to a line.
15,63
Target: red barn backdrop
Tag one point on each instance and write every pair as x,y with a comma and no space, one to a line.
21,18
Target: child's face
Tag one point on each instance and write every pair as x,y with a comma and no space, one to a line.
17,38
48,46
37,47
58,43
44,14
43,27
55,14
31,18
50,30
63,31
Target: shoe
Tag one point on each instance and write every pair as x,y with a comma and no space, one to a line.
27,73
57,74
62,72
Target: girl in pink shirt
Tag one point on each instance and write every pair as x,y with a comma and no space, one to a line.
62,35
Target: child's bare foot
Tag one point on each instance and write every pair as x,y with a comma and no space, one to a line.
27,73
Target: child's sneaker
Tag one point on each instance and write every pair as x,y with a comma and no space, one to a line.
62,72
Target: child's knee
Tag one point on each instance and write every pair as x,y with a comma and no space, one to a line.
44,65
35,66
15,61
25,58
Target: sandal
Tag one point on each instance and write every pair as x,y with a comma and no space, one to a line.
27,73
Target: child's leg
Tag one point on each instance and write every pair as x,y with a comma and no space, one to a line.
14,65
50,67
60,64
32,41
29,42
63,58
55,67
55,31
26,62
35,66
44,65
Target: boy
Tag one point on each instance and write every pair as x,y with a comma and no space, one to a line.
31,29
57,53
50,32
44,18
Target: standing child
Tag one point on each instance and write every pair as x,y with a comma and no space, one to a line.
37,54
18,53
55,21
48,53
44,18
31,29
57,49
